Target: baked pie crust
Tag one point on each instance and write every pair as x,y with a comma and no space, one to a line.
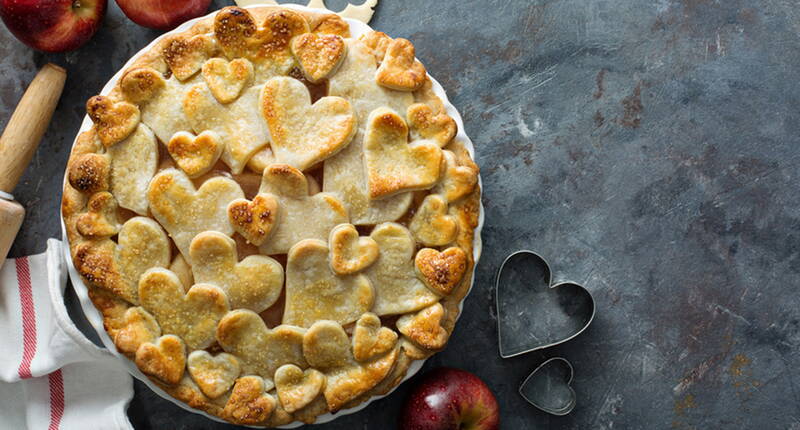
275,219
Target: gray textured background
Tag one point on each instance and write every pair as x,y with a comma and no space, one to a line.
648,149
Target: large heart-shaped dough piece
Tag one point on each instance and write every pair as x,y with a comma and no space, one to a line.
550,314
185,211
133,164
397,288
314,292
297,388
260,350
296,207
215,375
304,134
162,110
192,316
116,267
253,283
238,124
165,359
393,165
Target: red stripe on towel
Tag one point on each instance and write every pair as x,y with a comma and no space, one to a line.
28,317
56,381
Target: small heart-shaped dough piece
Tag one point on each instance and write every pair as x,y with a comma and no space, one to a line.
164,360
255,219
192,316
297,388
350,253
314,292
214,375
376,42
318,55
441,271
185,54
226,80
327,348
393,165
253,283
114,121
397,288
399,69
425,125
291,188
116,267
133,163
90,173
138,327
239,123
249,404
260,350
185,211
431,225
101,218
141,83
195,155
458,180
370,339
424,327
304,134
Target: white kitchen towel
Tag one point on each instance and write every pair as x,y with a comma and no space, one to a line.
51,375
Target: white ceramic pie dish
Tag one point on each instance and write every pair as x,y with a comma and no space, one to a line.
94,316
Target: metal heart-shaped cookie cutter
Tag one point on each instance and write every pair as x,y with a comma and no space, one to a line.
548,387
532,313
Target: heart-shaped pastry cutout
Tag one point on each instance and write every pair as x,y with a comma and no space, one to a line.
431,225
393,165
548,387
398,290
101,218
400,69
141,83
185,54
297,388
304,134
319,55
424,327
459,177
249,404
133,163
164,360
195,155
427,125
531,312
253,283
192,315
185,211
261,351
114,121
370,339
315,292
214,375
254,219
116,267
327,348
90,173
138,327
226,80
441,271
350,253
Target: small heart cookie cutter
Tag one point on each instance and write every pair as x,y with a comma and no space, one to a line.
567,308
548,387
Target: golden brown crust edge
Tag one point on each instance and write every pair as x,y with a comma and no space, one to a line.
74,202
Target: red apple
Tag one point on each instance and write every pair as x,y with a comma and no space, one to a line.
450,399
163,14
53,25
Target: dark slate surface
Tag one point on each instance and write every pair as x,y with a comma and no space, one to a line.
648,149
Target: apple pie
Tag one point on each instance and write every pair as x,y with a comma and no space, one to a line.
274,218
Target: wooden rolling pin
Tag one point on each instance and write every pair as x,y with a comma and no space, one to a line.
18,144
